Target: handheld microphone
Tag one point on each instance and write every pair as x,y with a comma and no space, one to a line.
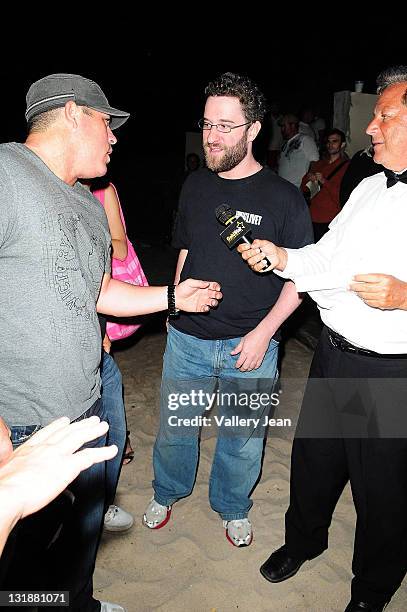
236,230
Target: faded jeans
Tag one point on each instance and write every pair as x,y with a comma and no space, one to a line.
195,365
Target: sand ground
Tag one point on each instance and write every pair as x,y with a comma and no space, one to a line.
189,565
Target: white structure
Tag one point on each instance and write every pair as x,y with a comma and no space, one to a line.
353,112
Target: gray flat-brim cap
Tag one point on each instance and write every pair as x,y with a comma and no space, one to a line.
55,90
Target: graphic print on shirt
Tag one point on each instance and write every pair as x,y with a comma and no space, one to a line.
74,250
291,146
251,218
70,285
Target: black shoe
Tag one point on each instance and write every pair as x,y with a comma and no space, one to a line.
279,566
362,606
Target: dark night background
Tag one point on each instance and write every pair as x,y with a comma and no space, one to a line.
159,75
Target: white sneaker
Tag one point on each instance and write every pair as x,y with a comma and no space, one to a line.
106,606
239,532
156,515
117,519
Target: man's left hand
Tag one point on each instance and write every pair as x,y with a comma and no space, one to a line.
196,295
381,291
252,349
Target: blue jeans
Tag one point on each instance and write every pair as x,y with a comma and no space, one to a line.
195,365
113,407
21,433
82,535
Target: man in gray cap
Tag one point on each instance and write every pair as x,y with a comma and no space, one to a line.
54,275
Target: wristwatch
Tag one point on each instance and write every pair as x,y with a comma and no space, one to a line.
173,311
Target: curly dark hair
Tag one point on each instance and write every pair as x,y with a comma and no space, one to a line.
250,97
392,76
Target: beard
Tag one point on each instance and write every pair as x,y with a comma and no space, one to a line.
231,157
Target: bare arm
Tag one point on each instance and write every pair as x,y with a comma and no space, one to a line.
180,264
287,302
119,242
126,300
254,345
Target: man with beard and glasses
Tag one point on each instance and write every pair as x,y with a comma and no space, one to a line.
236,346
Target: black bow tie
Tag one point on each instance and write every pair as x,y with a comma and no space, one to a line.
393,178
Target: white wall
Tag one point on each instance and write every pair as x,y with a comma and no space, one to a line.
352,114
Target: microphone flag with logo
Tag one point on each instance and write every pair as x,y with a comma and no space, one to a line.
236,230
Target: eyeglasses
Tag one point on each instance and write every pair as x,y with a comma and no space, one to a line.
221,127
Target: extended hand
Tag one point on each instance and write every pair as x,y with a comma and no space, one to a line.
196,295
252,349
254,255
43,466
381,291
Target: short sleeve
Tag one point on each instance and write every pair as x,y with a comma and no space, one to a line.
181,235
297,229
310,149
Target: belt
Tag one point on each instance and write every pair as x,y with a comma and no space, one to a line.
342,344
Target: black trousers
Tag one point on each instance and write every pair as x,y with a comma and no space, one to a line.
375,466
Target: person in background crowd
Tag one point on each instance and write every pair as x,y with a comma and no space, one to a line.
192,163
276,137
324,181
360,166
297,152
304,125
319,126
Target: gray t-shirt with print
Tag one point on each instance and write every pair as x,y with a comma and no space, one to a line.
54,249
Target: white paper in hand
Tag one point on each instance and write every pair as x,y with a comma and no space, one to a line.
314,188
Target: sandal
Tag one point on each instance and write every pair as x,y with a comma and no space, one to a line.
129,452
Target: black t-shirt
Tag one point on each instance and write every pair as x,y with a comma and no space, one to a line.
276,211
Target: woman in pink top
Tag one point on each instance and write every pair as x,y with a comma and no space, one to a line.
116,519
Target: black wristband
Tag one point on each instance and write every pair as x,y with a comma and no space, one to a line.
172,309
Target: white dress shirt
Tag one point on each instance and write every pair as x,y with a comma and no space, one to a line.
368,236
